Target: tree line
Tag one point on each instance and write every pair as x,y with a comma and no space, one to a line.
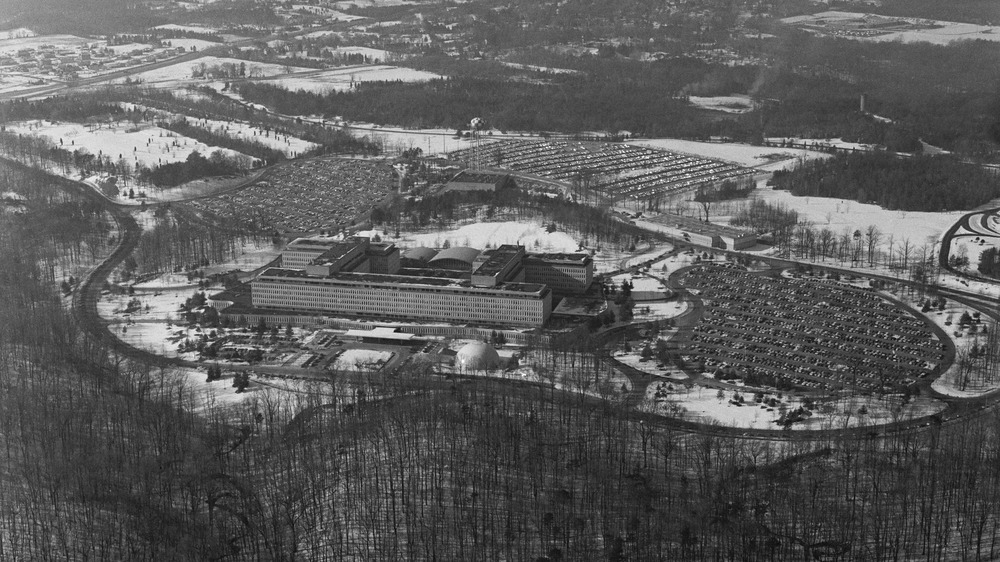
923,183
258,150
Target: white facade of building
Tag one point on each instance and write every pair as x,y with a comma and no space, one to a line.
509,304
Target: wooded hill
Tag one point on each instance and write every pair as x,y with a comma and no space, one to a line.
923,183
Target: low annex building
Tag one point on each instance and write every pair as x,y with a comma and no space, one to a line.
710,234
502,286
468,180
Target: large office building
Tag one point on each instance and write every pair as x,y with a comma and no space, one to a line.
359,278
563,273
503,286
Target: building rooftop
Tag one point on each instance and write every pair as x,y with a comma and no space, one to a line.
336,252
404,280
433,272
498,259
575,258
380,332
420,253
478,177
459,253
312,243
381,248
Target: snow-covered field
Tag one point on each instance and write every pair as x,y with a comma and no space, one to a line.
291,146
197,44
191,28
19,33
182,73
379,55
151,329
726,104
10,82
342,79
480,235
699,403
942,32
536,68
12,46
640,283
762,157
143,144
645,311
320,33
395,140
840,214
127,48
330,14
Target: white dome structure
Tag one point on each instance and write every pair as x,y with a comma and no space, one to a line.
477,356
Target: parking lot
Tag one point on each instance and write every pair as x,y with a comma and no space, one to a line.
306,195
812,334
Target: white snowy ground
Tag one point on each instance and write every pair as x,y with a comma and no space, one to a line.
144,144
156,329
353,359
13,45
290,146
182,73
738,103
536,68
197,44
329,14
191,28
703,404
19,33
531,234
639,282
480,235
396,140
377,56
10,82
342,78
153,329
562,378
644,311
946,32
842,214
964,337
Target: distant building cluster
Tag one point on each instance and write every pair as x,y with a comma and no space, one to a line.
357,277
65,59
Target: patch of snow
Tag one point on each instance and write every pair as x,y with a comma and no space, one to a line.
343,78
725,104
